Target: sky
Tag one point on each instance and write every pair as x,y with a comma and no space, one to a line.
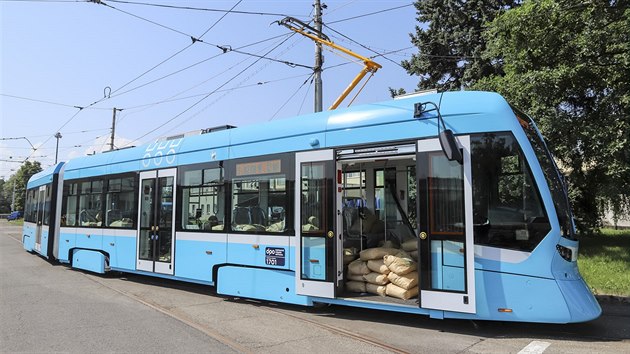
57,56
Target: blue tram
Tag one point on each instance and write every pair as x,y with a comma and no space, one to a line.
459,187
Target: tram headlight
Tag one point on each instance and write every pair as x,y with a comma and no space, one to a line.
565,252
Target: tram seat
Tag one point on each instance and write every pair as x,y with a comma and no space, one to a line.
257,216
366,229
112,215
249,216
240,216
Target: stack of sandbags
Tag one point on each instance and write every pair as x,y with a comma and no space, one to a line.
411,246
403,276
377,279
356,270
362,278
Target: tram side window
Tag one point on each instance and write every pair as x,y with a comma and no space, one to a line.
315,199
69,204
29,206
90,203
508,211
47,204
120,204
260,197
203,200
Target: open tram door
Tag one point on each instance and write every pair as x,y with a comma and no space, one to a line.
41,200
447,269
156,215
317,262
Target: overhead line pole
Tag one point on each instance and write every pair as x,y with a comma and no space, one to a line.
111,143
58,136
319,60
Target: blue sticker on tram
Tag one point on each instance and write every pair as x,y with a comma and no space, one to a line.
274,256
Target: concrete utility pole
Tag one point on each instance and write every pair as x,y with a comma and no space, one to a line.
319,59
58,136
111,143
13,197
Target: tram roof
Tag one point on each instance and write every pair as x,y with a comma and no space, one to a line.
44,176
306,132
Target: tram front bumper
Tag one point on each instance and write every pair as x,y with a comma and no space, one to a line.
582,305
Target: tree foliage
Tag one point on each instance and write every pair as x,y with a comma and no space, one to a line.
451,45
19,179
5,202
566,63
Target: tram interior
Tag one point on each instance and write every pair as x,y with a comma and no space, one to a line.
379,220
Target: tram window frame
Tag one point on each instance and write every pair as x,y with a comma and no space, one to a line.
70,193
125,222
488,170
254,170
29,205
47,205
92,191
212,188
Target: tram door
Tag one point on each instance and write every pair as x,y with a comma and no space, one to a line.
41,200
447,271
156,215
316,242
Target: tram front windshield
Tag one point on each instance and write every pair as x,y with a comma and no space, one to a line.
552,175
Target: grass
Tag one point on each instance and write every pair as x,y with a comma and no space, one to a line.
604,262
19,222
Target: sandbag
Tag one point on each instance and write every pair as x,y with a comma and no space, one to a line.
377,265
348,258
400,265
400,293
358,267
376,278
388,244
376,253
410,245
357,277
355,286
406,281
414,255
375,289
349,255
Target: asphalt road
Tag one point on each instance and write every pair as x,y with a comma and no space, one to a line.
47,307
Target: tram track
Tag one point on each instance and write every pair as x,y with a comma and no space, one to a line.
235,345
343,332
335,330
228,341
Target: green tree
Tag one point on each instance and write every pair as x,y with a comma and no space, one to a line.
19,179
450,43
5,204
568,65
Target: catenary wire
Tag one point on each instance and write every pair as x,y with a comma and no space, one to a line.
291,97
361,45
210,78
48,102
208,95
370,14
177,53
203,9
